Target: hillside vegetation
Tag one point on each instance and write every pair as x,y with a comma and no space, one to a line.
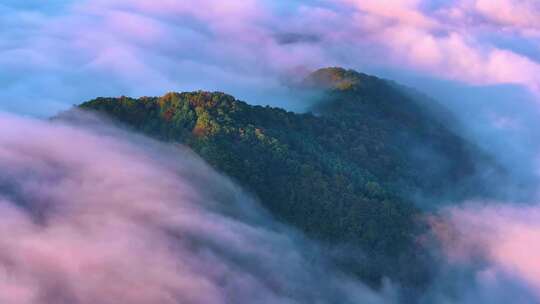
347,173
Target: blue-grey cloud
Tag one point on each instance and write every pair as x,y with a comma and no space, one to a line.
69,51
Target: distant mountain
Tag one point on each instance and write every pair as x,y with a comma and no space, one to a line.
346,173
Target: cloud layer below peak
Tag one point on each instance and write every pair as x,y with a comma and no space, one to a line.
107,217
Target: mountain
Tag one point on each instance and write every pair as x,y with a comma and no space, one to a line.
347,173
425,156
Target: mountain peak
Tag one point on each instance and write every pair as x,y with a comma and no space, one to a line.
338,78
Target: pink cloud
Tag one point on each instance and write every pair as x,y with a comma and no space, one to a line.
221,15
135,47
434,43
101,216
403,11
506,236
522,14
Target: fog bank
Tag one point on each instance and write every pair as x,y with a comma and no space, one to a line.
109,217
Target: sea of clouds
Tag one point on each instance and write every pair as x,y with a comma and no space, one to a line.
103,216
95,214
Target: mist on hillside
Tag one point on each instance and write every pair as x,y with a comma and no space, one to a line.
98,215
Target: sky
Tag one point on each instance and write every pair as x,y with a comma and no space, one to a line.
61,52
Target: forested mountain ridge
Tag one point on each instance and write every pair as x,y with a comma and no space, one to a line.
427,154
347,173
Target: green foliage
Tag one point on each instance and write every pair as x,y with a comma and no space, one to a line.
342,176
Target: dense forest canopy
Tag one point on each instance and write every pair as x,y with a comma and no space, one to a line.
348,172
